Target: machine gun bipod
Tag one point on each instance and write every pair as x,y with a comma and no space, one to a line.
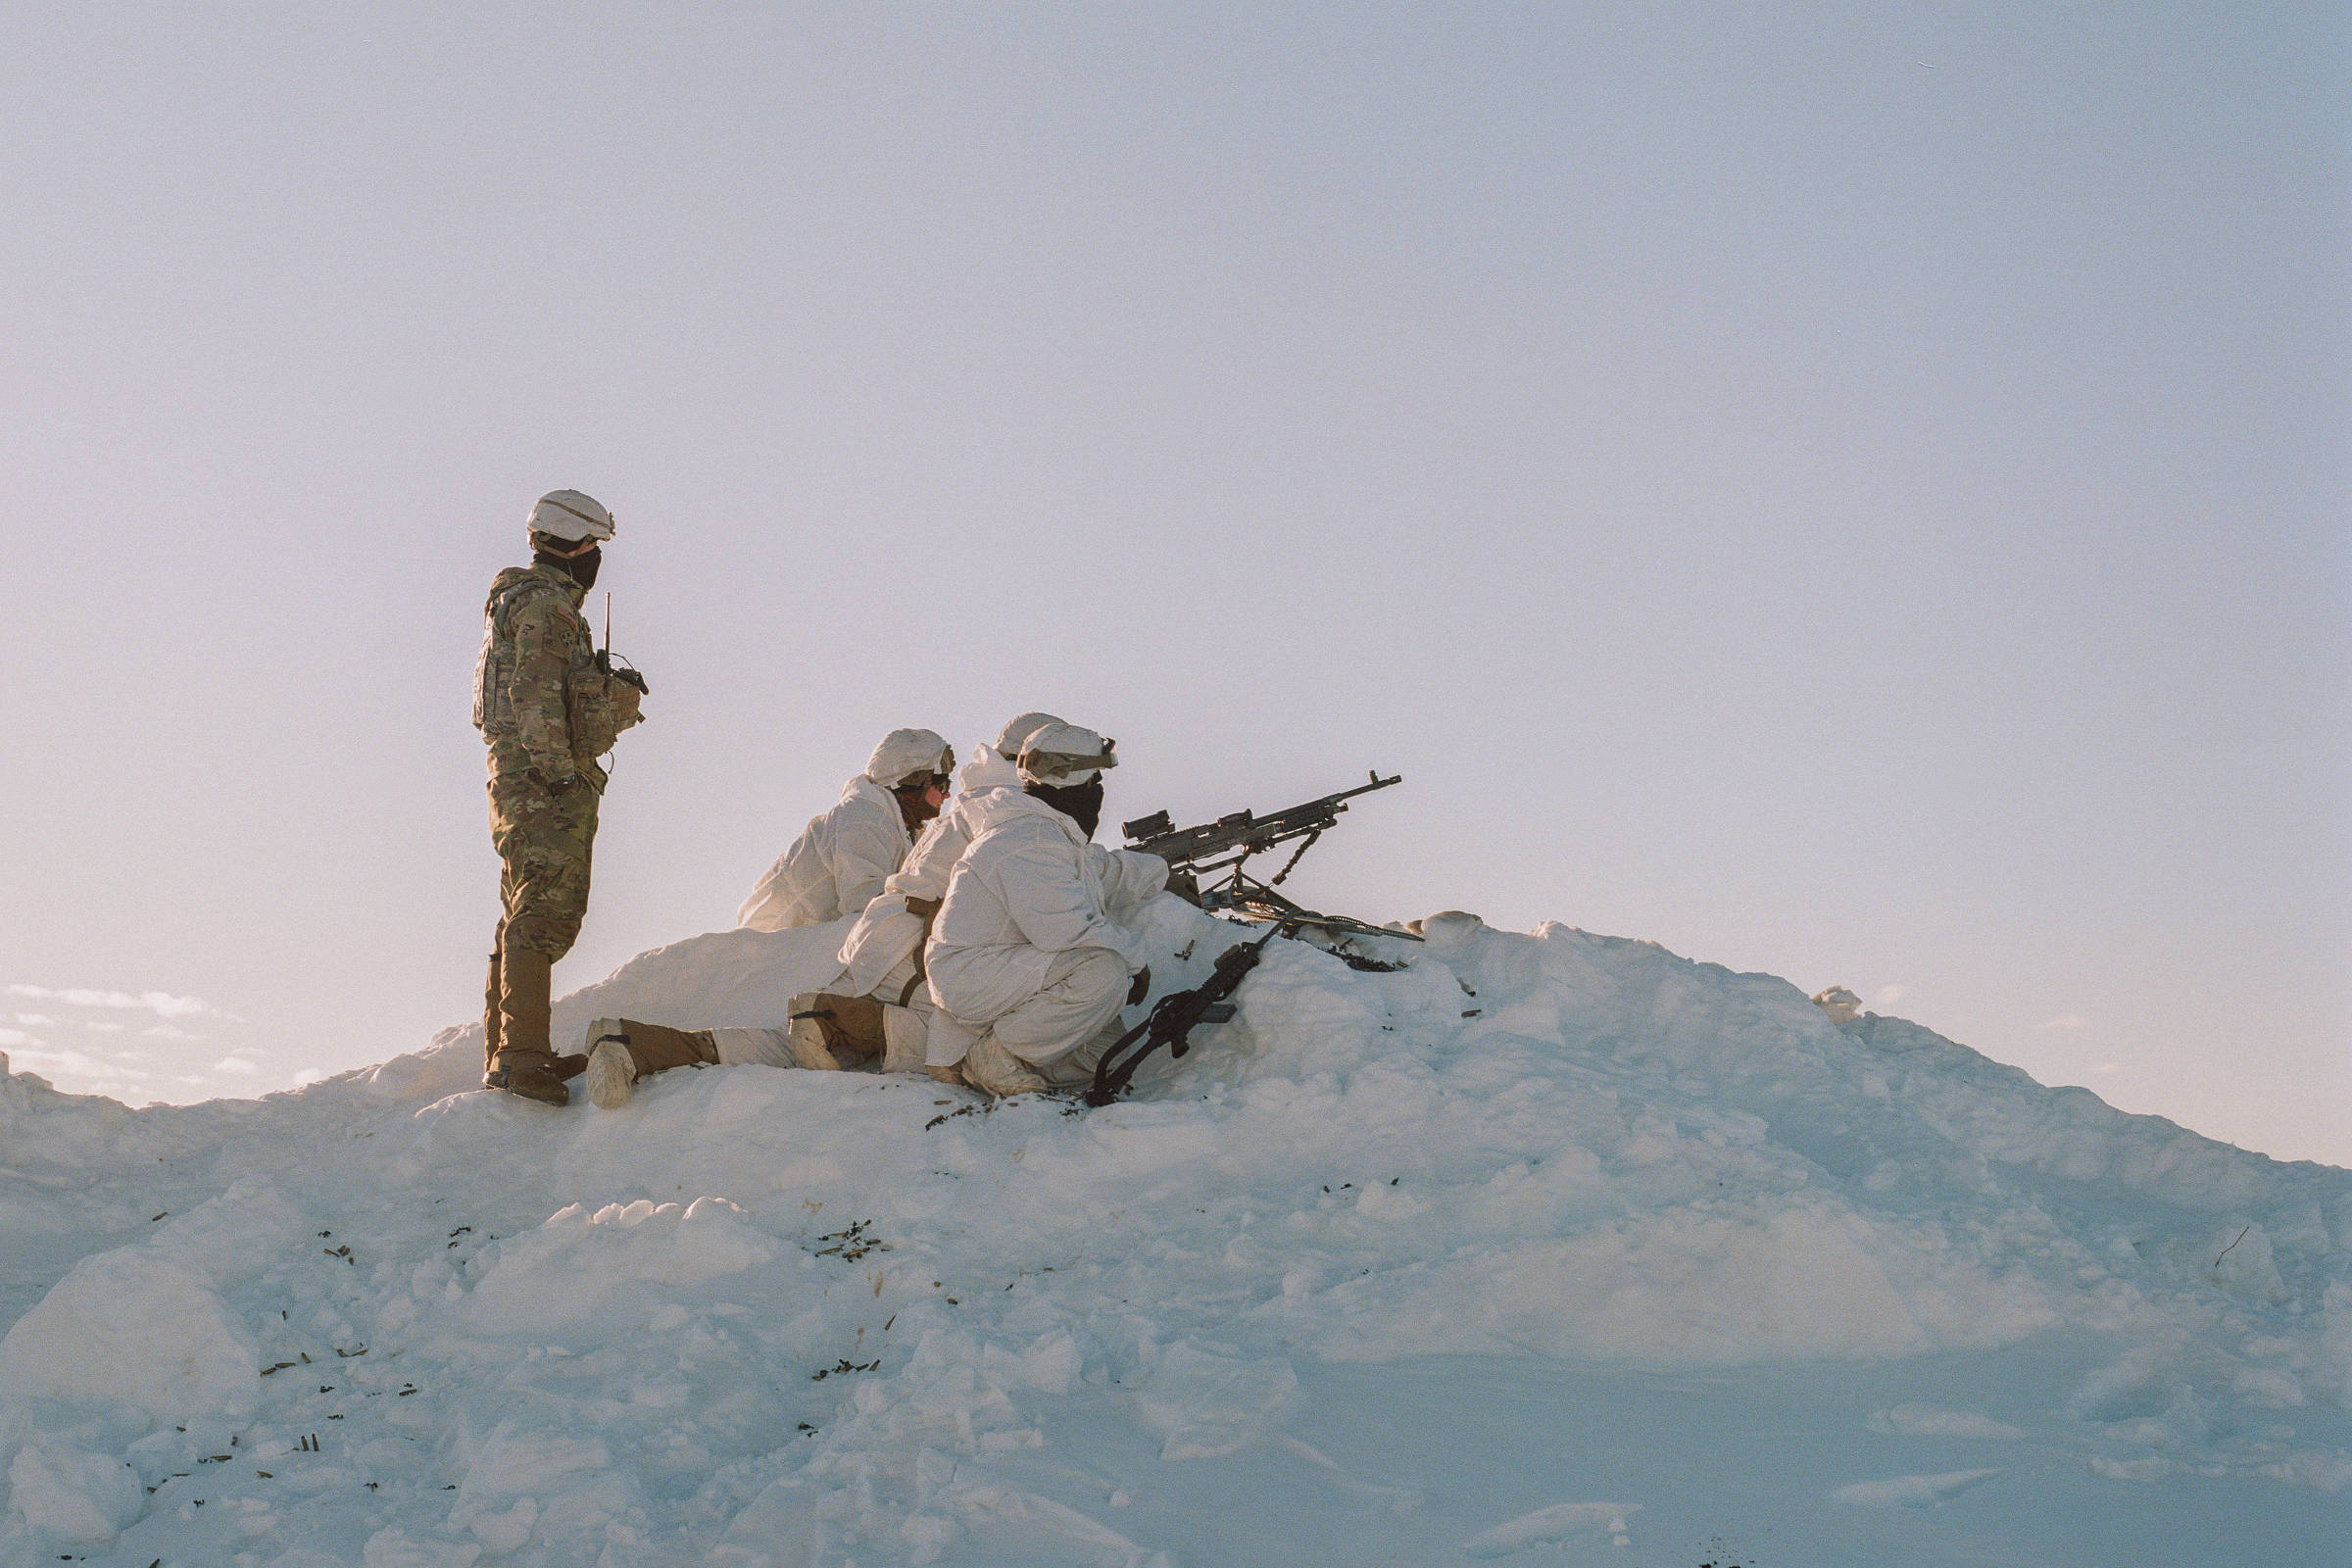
1259,904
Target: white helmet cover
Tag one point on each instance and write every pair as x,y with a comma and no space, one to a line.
907,753
569,515
1013,736
1064,754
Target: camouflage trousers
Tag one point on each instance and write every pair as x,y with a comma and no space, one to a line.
544,843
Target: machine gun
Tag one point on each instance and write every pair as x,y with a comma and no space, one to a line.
1243,833
1223,845
1227,843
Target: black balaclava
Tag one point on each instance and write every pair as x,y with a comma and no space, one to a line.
581,568
1082,803
914,806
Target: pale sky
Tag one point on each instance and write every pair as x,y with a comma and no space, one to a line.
1852,492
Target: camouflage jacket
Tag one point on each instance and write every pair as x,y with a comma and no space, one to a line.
538,692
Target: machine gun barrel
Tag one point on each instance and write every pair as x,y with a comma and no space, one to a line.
1242,833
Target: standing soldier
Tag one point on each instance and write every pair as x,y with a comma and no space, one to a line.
548,709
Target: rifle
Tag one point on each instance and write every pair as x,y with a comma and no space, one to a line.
1174,1017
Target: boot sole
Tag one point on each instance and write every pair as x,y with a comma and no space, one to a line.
556,1094
611,1075
982,1071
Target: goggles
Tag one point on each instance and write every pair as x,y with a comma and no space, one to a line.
1069,767
941,775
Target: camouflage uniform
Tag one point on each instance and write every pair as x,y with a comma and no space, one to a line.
546,712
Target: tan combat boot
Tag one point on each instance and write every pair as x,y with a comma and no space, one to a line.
493,1027
990,1066
525,1064
531,1074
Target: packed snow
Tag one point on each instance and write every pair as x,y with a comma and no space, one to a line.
1544,1248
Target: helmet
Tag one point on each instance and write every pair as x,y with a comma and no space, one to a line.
569,515
1014,735
1061,755
908,757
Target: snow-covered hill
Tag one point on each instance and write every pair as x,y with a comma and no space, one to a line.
1551,1244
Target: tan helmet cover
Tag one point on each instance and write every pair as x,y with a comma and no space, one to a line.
1013,736
570,515
1064,754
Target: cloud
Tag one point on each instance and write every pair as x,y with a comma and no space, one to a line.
2110,1067
235,1064
307,1077
36,1019
1887,996
161,1004
2065,1020
18,1037
169,1031
66,1061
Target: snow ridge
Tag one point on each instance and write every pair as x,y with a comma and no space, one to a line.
764,1317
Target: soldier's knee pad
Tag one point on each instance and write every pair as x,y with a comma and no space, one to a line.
550,936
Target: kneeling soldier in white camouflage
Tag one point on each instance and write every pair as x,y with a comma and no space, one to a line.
884,950
844,855
1028,954
836,867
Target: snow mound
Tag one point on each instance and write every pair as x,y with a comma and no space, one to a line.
147,1325
1562,1521
776,1317
558,1275
1911,1492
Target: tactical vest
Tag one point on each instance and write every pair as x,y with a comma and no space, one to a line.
592,717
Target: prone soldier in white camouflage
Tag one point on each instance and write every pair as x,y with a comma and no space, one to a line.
548,707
